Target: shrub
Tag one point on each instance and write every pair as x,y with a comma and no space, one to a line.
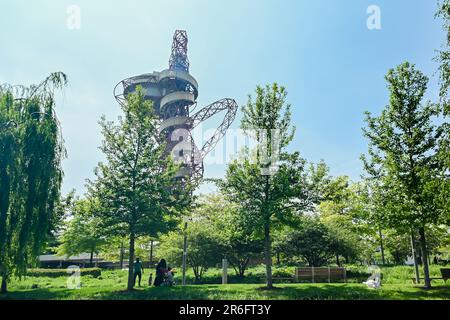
54,273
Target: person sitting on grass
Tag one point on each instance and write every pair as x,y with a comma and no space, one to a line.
169,277
138,270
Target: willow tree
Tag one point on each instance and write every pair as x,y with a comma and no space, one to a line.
31,150
136,186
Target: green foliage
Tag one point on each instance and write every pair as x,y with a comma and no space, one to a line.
402,143
236,241
443,188
266,196
136,185
204,249
30,172
404,169
54,273
269,111
85,232
443,57
312,241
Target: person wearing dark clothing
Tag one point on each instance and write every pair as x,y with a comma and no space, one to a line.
138,270
161,270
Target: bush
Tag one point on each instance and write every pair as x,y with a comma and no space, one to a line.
54,273
283,272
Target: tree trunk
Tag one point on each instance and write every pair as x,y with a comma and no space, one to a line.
278,258
243,266
151,254
268,255
4,287
414,256
423,245
337,261
383,261
267,242
196,274
184,261
121,255
131,263
91,258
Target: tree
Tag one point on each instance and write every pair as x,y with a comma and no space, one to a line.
443,57
237,241
402,142
31,150
266,190
204,249
311,241
343,232
136,187
85,231
372,203
397,245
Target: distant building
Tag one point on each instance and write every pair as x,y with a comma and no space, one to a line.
55,261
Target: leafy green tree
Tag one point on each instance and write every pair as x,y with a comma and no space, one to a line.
438,237
237,241
171,247
317,186
84,232
443,57
397,246
203,247
115,249
346,242
267,196
337,209
31,150
136,186
312,242
402,142
372,209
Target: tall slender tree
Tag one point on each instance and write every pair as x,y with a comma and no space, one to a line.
268,196
85,232
136,186
402,142
443,59
31,150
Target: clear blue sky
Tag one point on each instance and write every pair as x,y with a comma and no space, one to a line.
321,50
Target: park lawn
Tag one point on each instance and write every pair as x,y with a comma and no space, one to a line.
238,292
111,285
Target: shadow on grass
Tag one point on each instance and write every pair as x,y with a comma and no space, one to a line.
238,292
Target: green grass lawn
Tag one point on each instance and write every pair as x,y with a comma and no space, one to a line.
111,285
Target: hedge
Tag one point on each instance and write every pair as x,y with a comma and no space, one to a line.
54,273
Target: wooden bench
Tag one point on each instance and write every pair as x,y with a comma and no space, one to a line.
323,273
445,275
